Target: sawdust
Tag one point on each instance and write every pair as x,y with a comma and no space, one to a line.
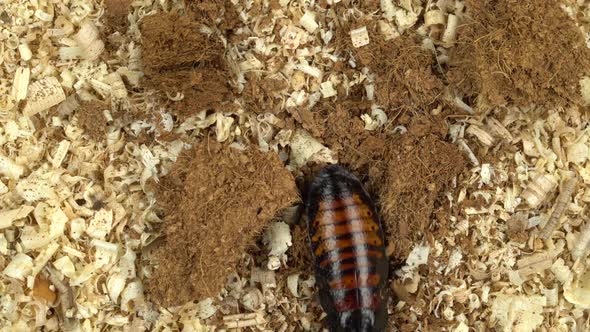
216,201
181,58
508,52
92,120
420,167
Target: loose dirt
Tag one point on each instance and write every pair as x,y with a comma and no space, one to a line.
508,52
403,68
215,201
92,120
420,166
115,25
219,12
404,74
345,134
116,13
263,95
181,58
300,259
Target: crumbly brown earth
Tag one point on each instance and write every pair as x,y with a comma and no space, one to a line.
420,167
180,58
92,120
263,95
345,134
115,25
404,70
215,202
116,13
405,77
300,258
518,53
219,12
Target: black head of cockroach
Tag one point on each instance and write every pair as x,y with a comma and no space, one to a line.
348,247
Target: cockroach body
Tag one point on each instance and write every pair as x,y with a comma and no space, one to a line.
348,246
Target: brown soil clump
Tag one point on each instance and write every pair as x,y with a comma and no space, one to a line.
216,201
403,68
263,95
92,120
509,52
116,13
420,167
299,253
344,133
370,6
180,58
404,76
219,12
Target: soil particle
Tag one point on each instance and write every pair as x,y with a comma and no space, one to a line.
359,149
403,68
263,95
180,58
299,253
218,12
116,13
419,168
216,201
508,52
115,25
404,76
371,6
92,120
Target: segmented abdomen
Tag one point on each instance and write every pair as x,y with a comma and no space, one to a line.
347,243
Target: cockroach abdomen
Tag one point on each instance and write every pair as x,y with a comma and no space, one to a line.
348,246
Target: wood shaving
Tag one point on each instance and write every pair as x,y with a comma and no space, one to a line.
539,188
561,204
42,95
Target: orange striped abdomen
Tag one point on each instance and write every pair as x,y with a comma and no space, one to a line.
347,243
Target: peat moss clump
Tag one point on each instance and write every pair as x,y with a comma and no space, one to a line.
404,74
518,52
420,168
404,70
116,12
216,201
92,120
345,134
182,58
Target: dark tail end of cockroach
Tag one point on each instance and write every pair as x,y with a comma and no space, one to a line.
361,320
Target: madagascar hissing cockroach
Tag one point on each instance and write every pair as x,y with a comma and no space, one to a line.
348,247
